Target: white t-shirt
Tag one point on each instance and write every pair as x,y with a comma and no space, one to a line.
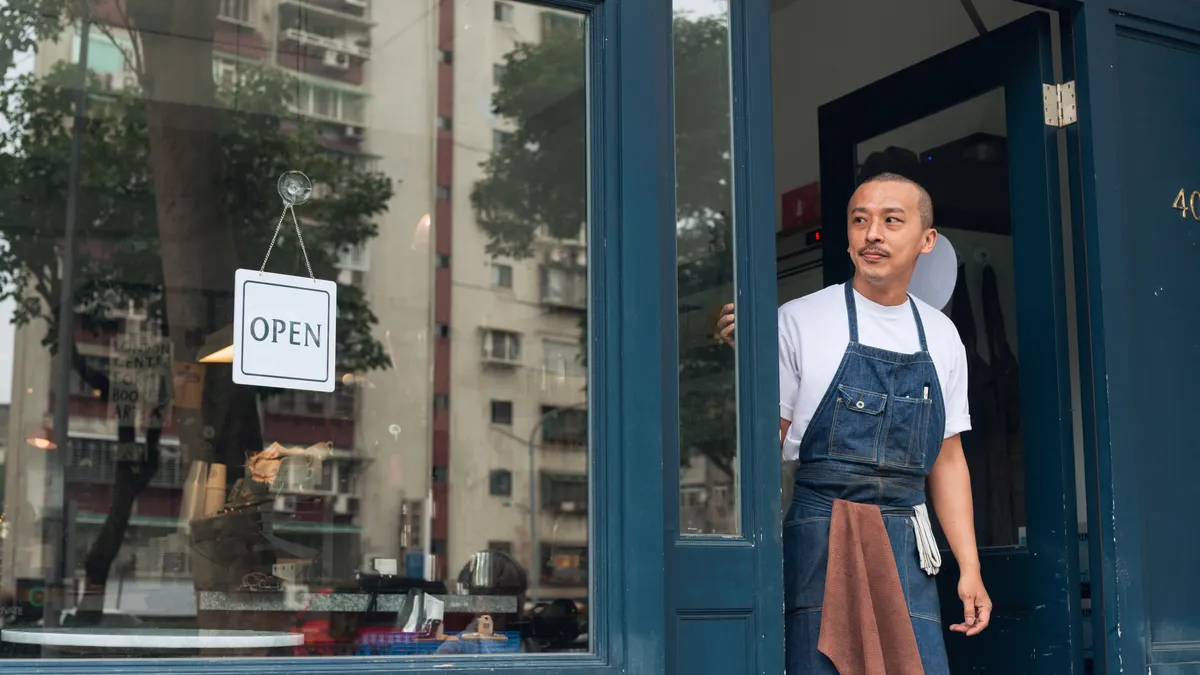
813,334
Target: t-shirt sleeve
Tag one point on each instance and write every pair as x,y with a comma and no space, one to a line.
789,366
958,412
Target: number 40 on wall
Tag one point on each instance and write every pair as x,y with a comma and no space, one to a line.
1187,204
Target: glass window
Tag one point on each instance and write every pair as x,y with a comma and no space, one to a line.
106,55
704,245
562,358
564,493
502,275
564,426
235,10
553,20
562,286
500,483
502,412
303,102
324,102
149,491
501,346
353,108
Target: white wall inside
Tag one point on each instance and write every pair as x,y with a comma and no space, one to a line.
822,50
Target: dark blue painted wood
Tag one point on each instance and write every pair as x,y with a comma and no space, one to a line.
1036,622
715,643
731,589
1138,144
632,245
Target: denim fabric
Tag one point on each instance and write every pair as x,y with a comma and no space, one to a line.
873,439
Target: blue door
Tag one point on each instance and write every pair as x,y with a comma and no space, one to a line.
1137,148
724,579
970,125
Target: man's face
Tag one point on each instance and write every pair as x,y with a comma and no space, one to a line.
885,231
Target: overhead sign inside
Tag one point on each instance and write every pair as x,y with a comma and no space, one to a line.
284,331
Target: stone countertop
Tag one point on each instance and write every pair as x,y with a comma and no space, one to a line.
265,601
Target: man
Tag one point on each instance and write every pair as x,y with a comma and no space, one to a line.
873,397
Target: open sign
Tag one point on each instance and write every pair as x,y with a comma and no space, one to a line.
283,331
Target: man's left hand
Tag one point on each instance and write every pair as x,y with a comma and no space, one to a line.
977,606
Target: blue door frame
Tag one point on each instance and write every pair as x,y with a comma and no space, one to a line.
1036,624
632,333
1134,148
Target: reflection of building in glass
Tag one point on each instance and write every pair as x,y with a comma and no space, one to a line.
432,455
517,361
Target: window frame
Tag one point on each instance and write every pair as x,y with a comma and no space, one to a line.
510,341
499,273
573,368
502,12
500,483
247,7
498,405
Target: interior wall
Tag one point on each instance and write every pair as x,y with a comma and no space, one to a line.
823,50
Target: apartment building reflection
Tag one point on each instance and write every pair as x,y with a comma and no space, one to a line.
487,379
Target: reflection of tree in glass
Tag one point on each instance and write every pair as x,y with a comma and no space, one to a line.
537,180
177,190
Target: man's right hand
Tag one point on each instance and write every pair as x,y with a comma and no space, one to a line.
725,324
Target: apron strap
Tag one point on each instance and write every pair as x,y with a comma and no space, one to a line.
920,326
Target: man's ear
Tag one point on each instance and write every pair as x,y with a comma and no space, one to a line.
930,240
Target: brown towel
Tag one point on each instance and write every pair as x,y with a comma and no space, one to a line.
865,627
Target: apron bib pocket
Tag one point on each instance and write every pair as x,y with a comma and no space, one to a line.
857,424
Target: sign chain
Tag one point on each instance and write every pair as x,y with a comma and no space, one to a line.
300,238
275,236
294,188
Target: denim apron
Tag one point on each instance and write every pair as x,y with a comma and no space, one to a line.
873,439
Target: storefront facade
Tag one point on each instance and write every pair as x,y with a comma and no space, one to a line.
521,445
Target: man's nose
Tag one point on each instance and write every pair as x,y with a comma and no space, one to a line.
874,231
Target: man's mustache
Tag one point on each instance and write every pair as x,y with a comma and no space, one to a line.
873,249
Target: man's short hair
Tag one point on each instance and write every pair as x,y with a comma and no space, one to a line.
924,201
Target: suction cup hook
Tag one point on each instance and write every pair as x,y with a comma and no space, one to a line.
294,188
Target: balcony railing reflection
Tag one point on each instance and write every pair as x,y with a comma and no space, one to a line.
357,11
306,38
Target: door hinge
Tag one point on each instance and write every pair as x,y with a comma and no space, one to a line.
1058,100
